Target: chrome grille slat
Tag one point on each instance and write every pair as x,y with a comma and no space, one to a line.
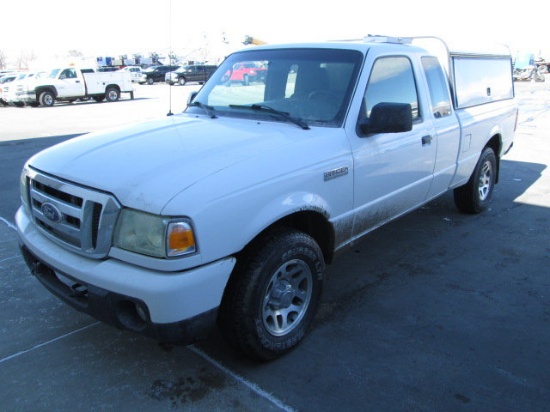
78,218
66,233
66,209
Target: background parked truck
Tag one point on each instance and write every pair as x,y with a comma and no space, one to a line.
70,84
190,73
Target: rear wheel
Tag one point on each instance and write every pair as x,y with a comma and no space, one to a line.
272,296
46,99
112,94
475,195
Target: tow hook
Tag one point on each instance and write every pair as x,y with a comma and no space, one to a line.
79,290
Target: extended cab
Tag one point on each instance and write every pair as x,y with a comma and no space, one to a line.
70,84
229,211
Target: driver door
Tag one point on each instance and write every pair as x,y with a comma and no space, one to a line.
70,84
393,171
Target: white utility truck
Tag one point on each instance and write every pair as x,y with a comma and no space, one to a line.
70,84
228,212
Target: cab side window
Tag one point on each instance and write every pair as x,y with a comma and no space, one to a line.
391,81
68,74
437,84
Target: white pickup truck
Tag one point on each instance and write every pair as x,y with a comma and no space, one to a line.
228,212
70,84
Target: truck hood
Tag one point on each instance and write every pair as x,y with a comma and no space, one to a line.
146,165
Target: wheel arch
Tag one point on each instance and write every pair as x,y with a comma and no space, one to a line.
312,222
41,89
112,85
495,143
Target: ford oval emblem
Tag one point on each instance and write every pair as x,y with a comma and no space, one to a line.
51,212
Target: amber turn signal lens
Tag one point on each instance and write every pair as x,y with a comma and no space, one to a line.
181,239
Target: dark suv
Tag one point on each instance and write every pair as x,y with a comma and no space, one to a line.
155,74
190,73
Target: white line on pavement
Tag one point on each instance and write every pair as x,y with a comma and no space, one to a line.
8,223
242,380
15,355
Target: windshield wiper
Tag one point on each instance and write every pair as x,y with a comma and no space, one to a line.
208,109
271,110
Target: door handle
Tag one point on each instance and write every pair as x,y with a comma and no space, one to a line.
426,140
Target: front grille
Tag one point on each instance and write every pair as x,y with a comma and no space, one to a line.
78,218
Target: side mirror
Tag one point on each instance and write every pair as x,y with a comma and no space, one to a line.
191,97
388,118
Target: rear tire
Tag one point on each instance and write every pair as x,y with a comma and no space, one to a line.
112,94
475,195
272,297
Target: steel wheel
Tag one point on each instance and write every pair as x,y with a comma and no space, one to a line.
47,99
112,94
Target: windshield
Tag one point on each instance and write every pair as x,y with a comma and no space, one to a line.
309,85
53,73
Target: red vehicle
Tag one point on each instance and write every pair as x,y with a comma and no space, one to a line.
247,72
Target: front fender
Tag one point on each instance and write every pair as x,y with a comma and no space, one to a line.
41,89
227,227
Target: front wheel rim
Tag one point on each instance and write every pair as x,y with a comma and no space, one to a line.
48,100
287,297
485,181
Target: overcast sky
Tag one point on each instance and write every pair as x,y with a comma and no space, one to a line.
114,27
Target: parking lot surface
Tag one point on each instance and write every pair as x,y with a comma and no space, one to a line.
437,311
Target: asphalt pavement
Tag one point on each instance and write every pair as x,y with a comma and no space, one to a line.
437,311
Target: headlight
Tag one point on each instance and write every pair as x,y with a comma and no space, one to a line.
153,235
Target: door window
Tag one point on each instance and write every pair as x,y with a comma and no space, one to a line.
391,81
68,74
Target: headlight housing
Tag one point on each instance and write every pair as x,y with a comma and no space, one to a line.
152,235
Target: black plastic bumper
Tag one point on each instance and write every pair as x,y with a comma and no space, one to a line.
123,312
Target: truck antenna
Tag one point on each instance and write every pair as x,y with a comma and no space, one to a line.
170,59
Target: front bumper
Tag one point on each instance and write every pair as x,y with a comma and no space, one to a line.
171,307
24,97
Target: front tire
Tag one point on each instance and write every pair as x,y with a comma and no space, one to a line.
475,195
46,99
182,81
272,297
